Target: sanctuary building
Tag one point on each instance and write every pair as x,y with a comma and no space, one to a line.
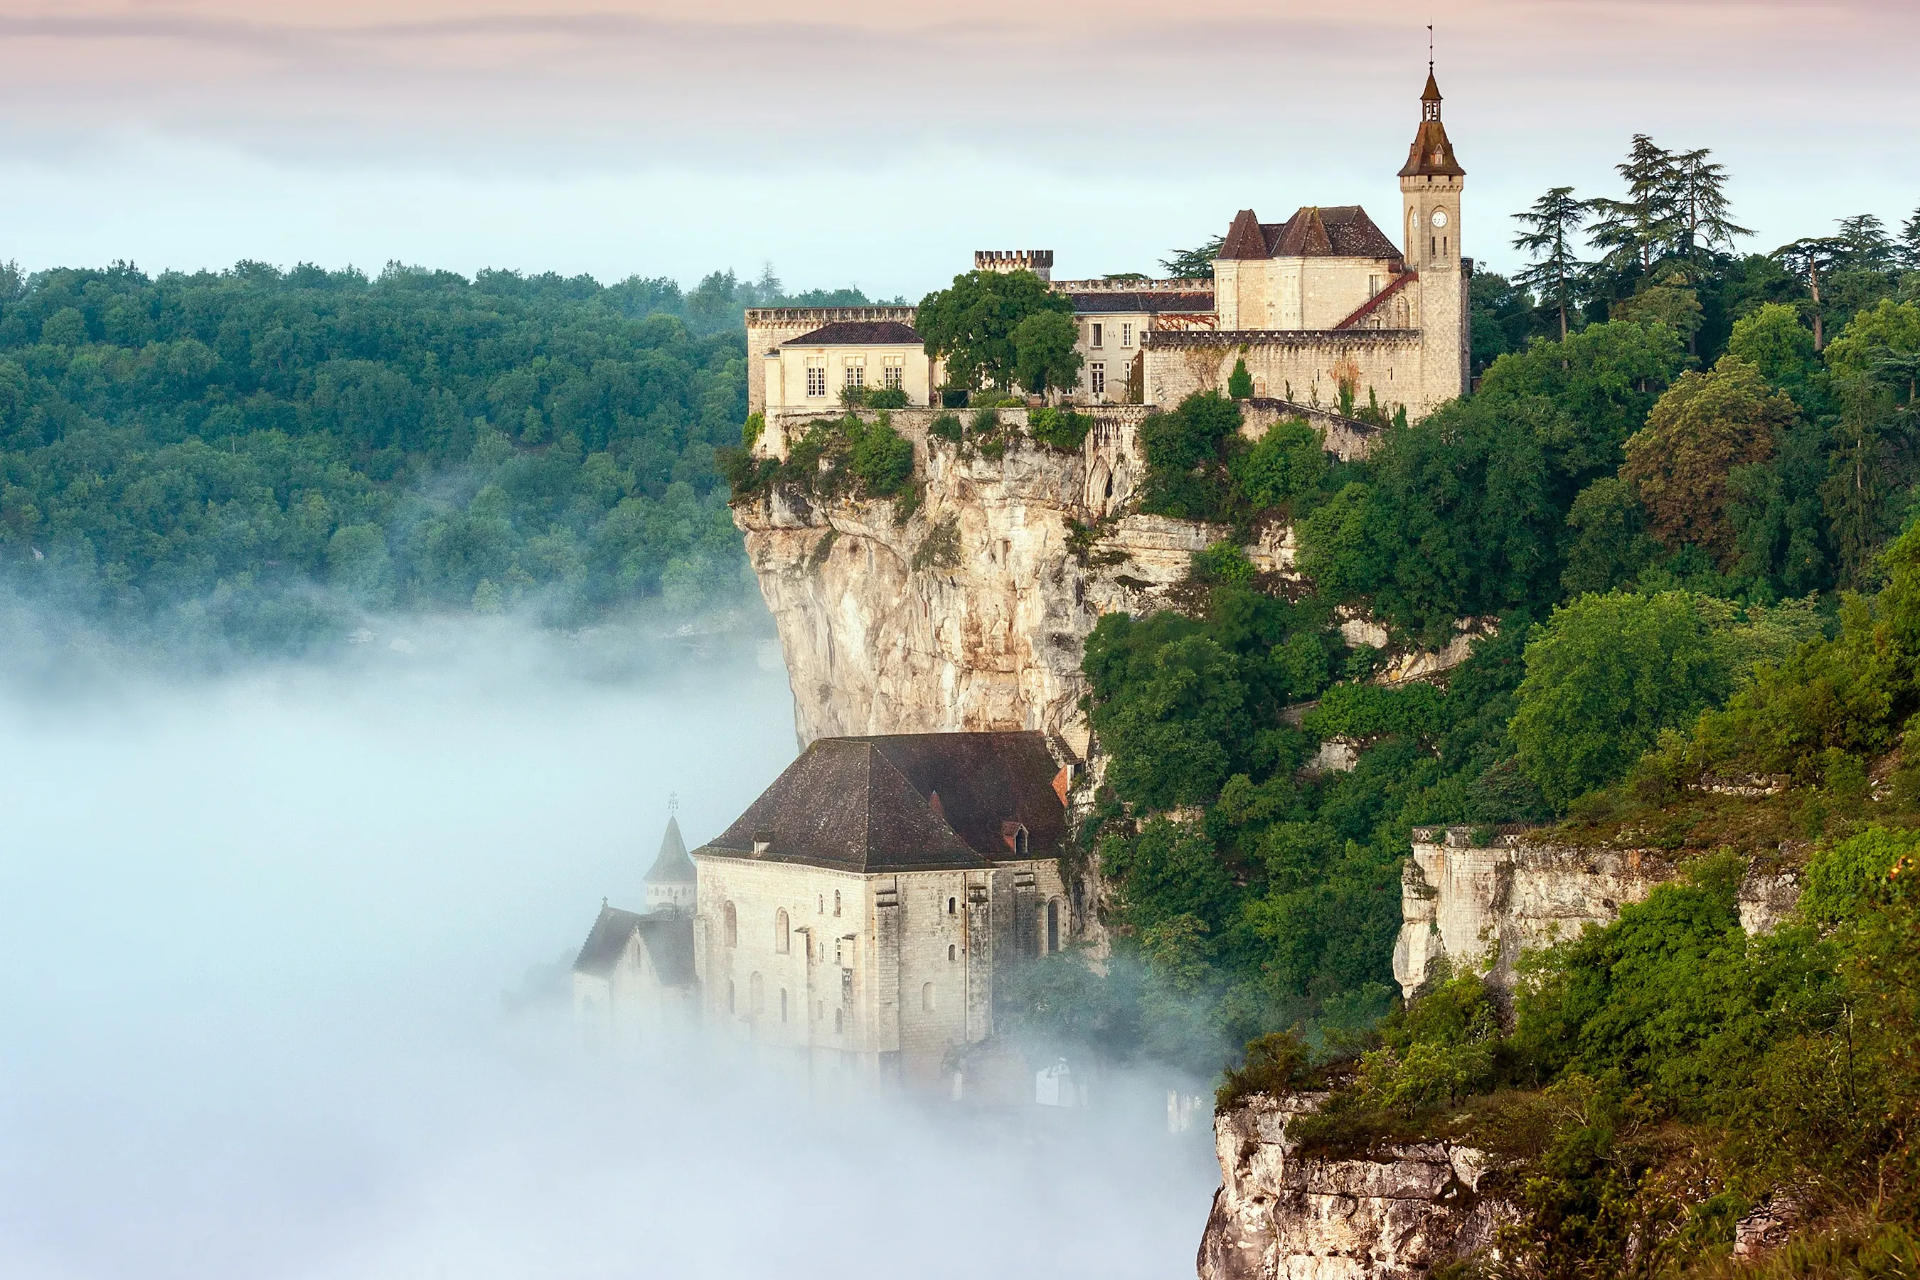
1323,302
858,914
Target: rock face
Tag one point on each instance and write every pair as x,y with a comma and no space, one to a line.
1481,905
1279,1215
973,612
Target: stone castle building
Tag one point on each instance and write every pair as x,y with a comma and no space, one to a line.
1321,304
858,914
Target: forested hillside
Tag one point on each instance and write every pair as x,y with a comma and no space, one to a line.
259,455
1670,522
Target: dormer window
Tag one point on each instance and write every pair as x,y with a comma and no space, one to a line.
1014,836
762,842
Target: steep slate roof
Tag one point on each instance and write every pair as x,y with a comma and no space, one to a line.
869,804
1431,153
667,938
857,333
673,866
1337,231
1151,301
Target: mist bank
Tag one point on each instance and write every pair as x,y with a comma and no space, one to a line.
290,949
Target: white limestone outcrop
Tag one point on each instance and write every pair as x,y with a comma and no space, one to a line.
1481,905
972,613
1282,1215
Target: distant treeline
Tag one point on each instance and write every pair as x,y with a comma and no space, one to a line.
260,454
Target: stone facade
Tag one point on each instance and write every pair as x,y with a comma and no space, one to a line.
859,913
769,328
870,974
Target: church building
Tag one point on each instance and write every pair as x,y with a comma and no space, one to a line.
858,914
1326,308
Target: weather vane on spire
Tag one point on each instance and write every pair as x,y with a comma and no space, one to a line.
1429,48
673,802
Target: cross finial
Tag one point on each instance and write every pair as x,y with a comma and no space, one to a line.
673,802
1429,48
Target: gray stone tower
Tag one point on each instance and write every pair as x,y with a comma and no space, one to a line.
670,884
1430,187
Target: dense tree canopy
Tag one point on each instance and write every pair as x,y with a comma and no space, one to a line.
254,437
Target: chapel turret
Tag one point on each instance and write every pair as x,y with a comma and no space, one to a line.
670,884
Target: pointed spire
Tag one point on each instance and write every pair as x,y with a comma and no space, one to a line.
673,866
1431,154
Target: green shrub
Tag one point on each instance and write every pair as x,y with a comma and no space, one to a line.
1285,465
1187,450
1222,562
881,458
887,398
1276,1064
1365,711
1845,876
946,426
1057,428
1240,382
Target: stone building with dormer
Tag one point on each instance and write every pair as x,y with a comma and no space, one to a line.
860,912
1327,308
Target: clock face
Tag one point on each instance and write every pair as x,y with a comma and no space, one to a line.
1439,217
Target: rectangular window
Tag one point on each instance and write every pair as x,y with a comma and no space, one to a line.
1096,337
893,373
856,371
816,377
1097,378
1126,335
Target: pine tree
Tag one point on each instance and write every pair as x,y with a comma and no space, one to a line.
1814,258
1240,382
1705,213
1554,219
1648,224
1908,249
1868,245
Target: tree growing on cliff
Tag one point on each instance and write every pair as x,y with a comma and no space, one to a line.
970,325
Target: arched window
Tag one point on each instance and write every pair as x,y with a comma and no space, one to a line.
836,902
783,1004
756,994
782,936
1020,843
1053,925
950,906
730,925
926,998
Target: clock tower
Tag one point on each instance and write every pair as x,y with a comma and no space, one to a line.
1430,187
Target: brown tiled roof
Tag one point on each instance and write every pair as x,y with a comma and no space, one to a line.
668,939
673,866
1244,239
1341,231
1431,153
867,804
857,333
1153,302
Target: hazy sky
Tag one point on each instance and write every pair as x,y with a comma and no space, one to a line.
880,142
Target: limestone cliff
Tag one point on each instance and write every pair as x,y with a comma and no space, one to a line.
972,613
1283,1215
1481,905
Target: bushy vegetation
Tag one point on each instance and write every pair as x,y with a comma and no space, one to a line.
1647,528
266,452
